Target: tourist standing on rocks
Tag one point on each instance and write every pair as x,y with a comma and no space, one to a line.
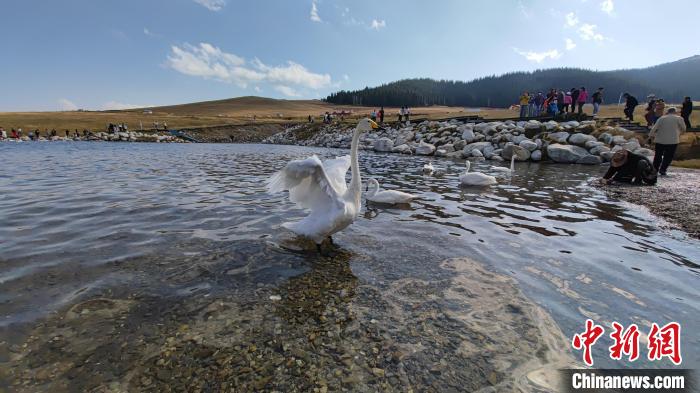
401,114
567,102
649,112
524,102
381,115
372,115
532,107
666,134
581,101
627,167
686,110
630,103
574,98
560,100
539,103
597,99
407,113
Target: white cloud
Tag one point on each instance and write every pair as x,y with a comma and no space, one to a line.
314,12
212,5
346,77
210,62
67,105
539,57
286,90
523,10
570,44
120,106
377,24
589,32
257,89
571,19
607,6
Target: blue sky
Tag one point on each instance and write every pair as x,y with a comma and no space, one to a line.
109,54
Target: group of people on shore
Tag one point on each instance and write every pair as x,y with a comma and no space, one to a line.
378,115
655,109
34,135
629,167
558,101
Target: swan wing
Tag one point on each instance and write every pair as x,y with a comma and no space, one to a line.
308,183
336,170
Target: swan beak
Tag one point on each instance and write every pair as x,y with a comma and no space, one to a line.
375,126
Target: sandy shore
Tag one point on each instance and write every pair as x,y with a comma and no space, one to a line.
675,198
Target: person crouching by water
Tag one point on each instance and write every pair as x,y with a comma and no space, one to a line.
627,167
666,134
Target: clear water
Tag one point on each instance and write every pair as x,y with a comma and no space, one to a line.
169,226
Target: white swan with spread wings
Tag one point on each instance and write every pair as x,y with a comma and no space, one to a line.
320,187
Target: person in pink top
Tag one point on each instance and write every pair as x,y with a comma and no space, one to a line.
581,100
567,103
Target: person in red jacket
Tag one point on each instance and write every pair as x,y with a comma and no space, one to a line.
581,100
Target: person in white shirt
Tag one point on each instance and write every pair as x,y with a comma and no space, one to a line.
666,134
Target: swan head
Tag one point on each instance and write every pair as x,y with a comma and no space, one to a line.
366,125
372,181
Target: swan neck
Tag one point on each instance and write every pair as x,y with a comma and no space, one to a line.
356,180
512,163
468,165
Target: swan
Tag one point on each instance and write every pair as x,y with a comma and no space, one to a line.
320,187
475,178
428,168
392,197
504,169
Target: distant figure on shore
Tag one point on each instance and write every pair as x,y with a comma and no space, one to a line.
574,98
67,133
666,133
567,102
381,115
627,167
649,111
686,110
524,102
311,119
372,115
532,106
560,100
407,114
539,103
630,103
14,134
659,109
581,101
597,99
3,133
165,126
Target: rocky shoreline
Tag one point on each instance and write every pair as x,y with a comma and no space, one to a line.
570,142
107,137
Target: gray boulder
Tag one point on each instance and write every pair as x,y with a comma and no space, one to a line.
529,145
536,155
599,149
579,139
467,151
468,135
559,137
567,154
383,145
589,160
425,149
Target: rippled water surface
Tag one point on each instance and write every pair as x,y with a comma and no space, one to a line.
153,244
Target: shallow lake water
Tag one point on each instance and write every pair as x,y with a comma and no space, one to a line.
150,266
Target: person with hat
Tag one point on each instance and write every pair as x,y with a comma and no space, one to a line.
651,107
628,167
666,133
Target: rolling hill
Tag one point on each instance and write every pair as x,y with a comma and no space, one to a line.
672,81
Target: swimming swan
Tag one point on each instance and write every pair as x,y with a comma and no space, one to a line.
320,187
392,197
504,169
475,178
428,168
